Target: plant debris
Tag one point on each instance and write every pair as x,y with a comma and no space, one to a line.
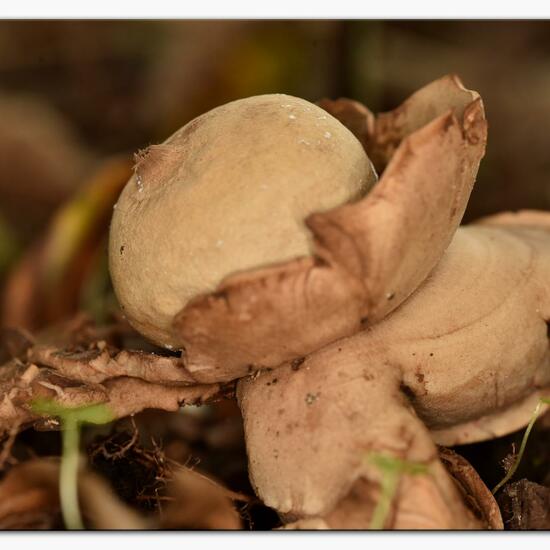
525,505
88,371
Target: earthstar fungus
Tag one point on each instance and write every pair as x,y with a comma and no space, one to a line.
382,329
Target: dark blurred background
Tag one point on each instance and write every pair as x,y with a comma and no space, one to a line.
77,98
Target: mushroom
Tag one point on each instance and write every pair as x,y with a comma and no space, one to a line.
377,332
227,193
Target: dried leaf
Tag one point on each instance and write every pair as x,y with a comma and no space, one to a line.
30,491
98,364
29,496
88,372
475,491
198,502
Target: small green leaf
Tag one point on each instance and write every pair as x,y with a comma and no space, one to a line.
97,413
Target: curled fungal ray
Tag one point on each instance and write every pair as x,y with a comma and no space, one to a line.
369,255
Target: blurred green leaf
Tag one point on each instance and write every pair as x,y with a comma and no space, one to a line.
392,468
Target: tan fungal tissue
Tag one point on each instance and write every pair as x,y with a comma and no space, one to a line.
360,320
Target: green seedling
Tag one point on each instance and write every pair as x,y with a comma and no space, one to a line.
512,470
71,419
392,469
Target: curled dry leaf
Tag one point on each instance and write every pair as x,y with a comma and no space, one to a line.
21,385
29,496
199,502
86,371
98,364
480,499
